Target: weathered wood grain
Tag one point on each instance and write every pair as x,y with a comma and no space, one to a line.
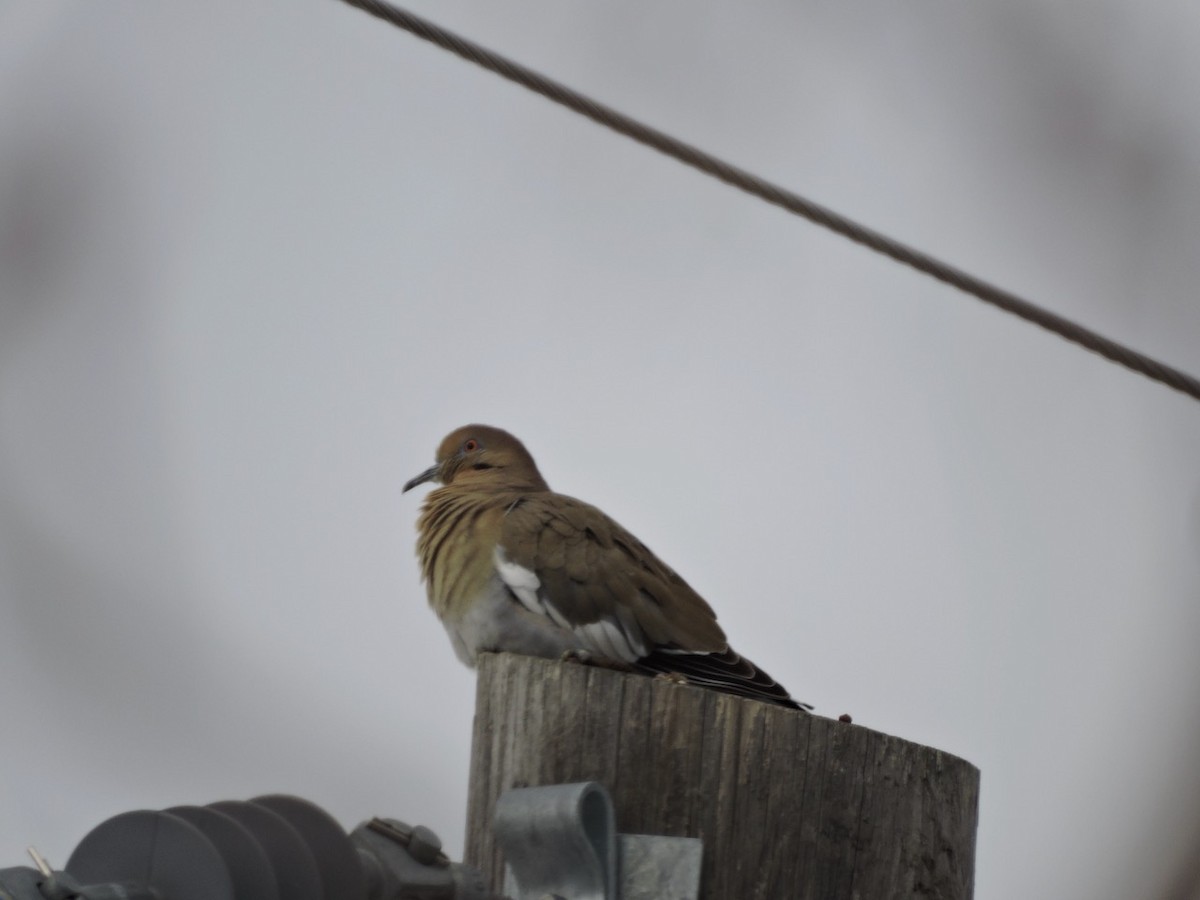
788,805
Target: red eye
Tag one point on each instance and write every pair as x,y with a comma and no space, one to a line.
471,445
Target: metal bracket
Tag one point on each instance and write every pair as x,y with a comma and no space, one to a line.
560,841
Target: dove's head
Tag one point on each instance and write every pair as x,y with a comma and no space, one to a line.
482,456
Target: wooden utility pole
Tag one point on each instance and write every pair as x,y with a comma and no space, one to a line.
789,806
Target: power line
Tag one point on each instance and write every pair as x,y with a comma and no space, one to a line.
778,196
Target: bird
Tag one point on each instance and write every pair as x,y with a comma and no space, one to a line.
511,566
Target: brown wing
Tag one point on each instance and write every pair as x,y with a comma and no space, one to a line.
590,569
595,578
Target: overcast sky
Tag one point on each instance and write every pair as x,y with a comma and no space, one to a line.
257,259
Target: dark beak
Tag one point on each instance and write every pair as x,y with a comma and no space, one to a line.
428,475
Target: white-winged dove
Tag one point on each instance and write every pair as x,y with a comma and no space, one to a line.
510,565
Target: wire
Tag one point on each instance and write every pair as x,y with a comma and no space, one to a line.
778,196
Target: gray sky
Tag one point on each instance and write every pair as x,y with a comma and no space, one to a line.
257,259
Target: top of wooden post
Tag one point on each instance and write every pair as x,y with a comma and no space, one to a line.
788,804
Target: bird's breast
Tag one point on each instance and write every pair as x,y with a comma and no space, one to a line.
457,535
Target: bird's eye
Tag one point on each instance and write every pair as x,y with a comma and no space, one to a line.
470,445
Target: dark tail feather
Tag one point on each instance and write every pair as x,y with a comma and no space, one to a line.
727,672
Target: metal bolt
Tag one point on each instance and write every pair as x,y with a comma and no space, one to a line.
424,846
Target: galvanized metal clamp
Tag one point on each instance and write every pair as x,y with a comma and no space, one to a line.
560,841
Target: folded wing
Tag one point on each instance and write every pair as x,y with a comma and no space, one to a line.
567,560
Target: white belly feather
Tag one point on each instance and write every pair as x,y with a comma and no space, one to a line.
513,616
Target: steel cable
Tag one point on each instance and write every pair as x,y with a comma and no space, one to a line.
772,193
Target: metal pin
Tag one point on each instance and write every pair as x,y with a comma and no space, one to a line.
39,861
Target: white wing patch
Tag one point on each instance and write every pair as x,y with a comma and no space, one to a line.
611,640
522,582
558,618
611,636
